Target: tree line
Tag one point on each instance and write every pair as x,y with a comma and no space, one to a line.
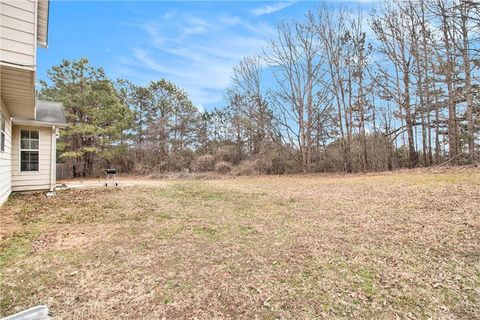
340,90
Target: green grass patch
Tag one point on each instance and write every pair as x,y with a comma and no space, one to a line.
247,230
207,232
16,246
168,232
365,278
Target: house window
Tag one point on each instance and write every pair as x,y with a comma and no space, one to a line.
2,132
29,150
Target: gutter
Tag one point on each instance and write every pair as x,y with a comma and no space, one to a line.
37,123
48,22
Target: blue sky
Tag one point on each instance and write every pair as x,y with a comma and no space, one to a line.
193,44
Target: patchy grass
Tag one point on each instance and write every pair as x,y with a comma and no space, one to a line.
377,246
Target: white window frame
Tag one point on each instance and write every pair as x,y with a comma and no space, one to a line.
30,150
3,132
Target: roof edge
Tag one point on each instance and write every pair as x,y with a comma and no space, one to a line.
45,18
36,123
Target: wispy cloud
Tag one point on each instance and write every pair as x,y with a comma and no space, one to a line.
271,8
197,48
195,51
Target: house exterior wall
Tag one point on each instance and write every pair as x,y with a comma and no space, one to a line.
5,159
38,180
18,32
23,26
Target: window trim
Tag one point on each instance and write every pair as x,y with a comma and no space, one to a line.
3,122
20,152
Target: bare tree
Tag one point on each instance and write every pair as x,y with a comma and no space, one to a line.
468,11
247,79
391,28
332,32
294,55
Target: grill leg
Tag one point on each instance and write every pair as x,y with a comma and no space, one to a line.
111,177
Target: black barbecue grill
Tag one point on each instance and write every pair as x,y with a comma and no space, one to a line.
111,174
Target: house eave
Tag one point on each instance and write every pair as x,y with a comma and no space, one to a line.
42,23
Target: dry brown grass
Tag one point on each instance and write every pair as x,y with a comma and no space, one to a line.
378,246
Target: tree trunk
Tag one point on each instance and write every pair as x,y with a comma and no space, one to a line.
412,158
468,85
452,111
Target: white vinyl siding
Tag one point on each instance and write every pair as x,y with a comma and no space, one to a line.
32,180
18,32
23,24
3,131
6,158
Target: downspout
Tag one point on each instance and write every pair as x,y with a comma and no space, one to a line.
35,61
53,160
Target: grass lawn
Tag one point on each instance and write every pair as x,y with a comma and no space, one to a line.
402,245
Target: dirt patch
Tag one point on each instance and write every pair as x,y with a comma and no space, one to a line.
8,225
68,237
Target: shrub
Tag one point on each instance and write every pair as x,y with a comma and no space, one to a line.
245,168
278,165
223,167
263,166
227,154
203,163
270,159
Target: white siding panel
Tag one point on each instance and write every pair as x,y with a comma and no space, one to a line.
32,188
9,9
20,4
19,16
14,34
6,159
18,24
38,180
16,46
32,179
17,58
5,191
